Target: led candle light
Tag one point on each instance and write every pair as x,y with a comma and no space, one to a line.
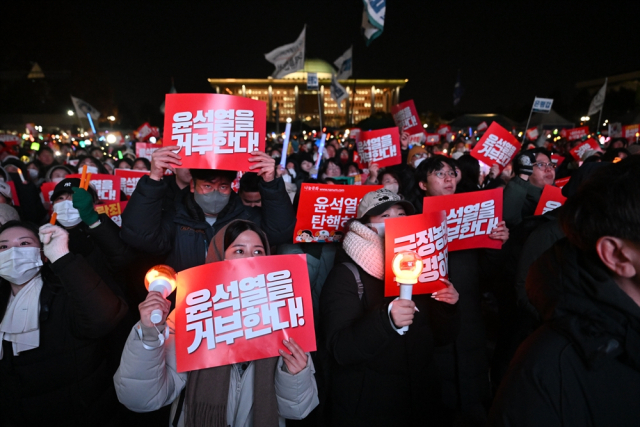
160,278
407,266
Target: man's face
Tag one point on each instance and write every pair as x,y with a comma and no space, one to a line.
46,157
251,198
440,183
543,174
220,184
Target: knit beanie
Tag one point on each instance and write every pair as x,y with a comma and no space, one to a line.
366,248
524,162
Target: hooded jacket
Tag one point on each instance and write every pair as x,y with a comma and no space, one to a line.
147,379
582,367
183,234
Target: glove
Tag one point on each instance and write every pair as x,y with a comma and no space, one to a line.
55,240
83,202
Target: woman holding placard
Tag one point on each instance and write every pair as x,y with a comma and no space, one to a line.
380,377
257,393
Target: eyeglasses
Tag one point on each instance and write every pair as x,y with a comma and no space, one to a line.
442,174
543,165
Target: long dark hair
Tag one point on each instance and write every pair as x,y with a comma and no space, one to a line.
236,228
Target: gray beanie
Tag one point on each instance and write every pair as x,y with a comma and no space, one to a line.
8,213
524,162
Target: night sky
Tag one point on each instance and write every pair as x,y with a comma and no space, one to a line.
507,54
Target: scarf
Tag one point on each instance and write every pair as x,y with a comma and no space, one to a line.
20,322
207,390
366,248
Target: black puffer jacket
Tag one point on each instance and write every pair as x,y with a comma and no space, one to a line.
65,381
582,367
183,235
380,378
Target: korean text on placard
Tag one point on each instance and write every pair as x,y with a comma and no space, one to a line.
431,245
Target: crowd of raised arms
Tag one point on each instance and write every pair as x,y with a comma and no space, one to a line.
543,331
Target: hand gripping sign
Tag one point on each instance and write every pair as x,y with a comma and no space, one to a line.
324,210
497,146
107,186
471,217
578,152
380,146
550,199
406,117
241,310
425,234
129,179
215,131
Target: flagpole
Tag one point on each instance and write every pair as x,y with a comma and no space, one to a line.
606,79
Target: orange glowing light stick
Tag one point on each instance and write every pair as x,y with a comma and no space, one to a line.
84,176
86,181
54,217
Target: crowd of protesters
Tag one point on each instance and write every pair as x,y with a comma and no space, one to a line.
542,332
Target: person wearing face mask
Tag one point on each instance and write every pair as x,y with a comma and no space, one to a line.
379,376
57,173
201,209
55,313
462,367
31,207
94,166
416,155
256,393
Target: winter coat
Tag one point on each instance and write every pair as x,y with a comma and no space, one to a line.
184,235
520,200
148,380
582,367
65,381
379,377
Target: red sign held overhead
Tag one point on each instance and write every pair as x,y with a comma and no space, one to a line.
241,310
380,146
629,132
406,117
471,217
215,131
146,131
482,126
433,139
497,146
550,199
533,134
579,151
129,179
444,129
575,133
107,186
426,234
145,150
324,210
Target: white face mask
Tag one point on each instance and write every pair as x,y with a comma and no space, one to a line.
57,180
90,169
68,216
33,174
20,264
292,172
377,227
393,187
418,161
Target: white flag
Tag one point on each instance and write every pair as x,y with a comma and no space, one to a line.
288,58
373,18
338,92
344,64
82,109
598,100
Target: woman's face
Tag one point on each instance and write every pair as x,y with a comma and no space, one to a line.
139,166
333,170
388,179
87,162
393,212
306,165
123,165
59,173
17,236
246,245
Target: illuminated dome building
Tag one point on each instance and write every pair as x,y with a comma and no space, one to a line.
294,101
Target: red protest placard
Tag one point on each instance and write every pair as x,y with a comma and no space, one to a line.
324,210
444,129
482,126
113,211
145,150
215,131
406,118
146,131
380,146
575,133
580,150
129,179
471,217
433,139
629,132
426,234
557,159
550,199
47,190
533,134
561,182
241,310
107,186
497,146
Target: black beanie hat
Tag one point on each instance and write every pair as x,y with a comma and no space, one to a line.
524,162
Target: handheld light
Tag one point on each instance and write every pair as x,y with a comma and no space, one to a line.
160,278
407,266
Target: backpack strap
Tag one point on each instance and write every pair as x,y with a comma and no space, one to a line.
351,266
